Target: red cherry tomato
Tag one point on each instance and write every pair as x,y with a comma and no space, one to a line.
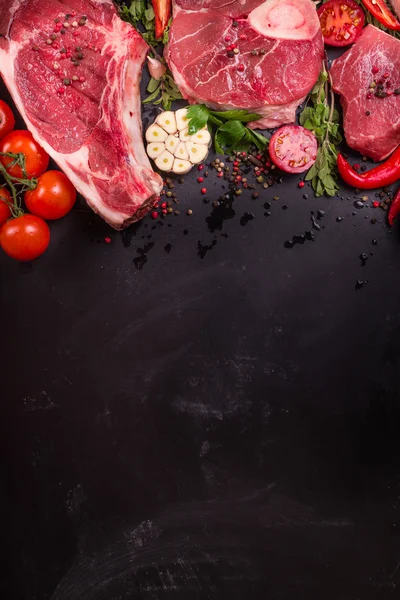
293,149
7,121
341,22
36,159
53,197
5,212
25,238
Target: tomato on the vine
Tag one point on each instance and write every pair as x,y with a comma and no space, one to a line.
7,120
21,141
25,238
341,22
53,197
5,212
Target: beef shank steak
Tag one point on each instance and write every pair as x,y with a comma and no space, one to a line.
77,88
368,79
280,52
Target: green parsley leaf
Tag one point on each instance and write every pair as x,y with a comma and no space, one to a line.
323,120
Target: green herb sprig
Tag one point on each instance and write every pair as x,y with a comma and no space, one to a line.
163,91
231,131
323,120
140,14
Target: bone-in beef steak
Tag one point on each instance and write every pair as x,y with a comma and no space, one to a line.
280,52
77,88
368,78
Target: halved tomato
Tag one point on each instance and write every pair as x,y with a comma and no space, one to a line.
293,149
341,22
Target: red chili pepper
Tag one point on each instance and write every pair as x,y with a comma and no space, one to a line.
380,10
380,176
394,209
162,12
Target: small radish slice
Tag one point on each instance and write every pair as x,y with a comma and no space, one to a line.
197,152
171,143
165,161
181,151
181,167
181,118
293,149
201,137
167,121
155,133
154,149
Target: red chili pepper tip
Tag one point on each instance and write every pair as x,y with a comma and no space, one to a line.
154,214
301,184
107,240
200,179
204,190
376,204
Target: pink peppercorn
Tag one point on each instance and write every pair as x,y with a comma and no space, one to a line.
61,89
228,38
204,190
200,167
375,70
356,167
375,204
235,163
164,205
107,240
164,211
301,184
200,179
243,36
240,68
220,174
154,214
82,79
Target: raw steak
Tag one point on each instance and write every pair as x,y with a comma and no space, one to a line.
90,126
396,6
371,123
280,55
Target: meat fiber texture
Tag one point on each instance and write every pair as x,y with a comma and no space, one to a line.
92,129
280,55
376,134
396,6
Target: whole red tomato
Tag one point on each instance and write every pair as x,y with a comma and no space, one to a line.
5,212
25,238
53,197
36,159
7,121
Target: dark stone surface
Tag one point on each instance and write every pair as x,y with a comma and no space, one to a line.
196,411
